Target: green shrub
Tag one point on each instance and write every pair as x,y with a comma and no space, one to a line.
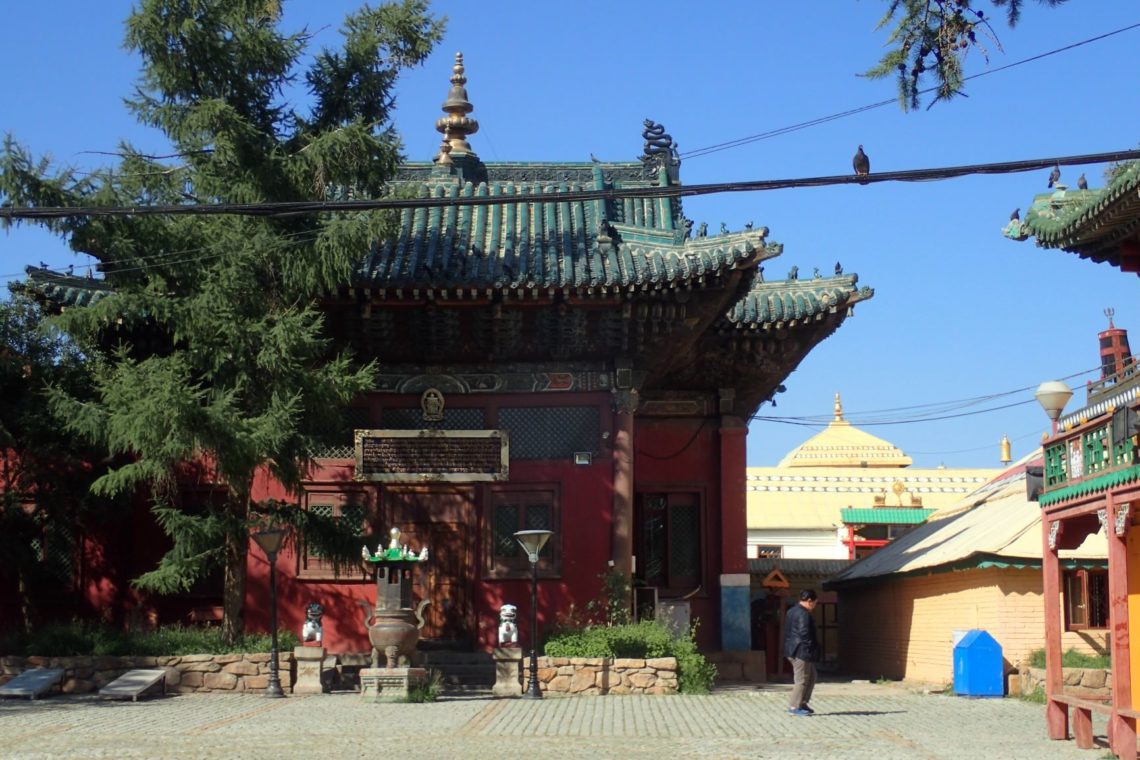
428,691
646,639
1037,696
1071,658
80,638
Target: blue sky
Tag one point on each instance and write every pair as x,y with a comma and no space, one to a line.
959,312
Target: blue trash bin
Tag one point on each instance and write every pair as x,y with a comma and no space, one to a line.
978,670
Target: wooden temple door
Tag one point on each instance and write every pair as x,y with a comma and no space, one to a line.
443,519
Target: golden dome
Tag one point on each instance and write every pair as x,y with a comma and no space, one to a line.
842,445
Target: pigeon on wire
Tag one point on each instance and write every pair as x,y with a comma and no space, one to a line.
1055,175
861,163
1016,215
1082,183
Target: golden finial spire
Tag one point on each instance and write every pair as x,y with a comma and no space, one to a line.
456,126
838,408
1006,454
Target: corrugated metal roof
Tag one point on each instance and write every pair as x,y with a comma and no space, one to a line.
888,516
996,521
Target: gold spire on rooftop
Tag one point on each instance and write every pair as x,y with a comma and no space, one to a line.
841,444
456,126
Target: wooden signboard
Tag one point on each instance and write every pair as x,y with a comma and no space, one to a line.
424,456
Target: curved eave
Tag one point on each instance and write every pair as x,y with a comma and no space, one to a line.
61,290
788,302
1092,223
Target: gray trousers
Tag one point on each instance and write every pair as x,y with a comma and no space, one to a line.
803,674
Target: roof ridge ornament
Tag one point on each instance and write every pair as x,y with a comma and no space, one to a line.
838,408
456,126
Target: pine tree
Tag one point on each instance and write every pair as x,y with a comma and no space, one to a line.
931,39
215,352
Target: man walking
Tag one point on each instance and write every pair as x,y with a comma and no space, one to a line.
802,649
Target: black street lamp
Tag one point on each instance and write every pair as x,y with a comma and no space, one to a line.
270,541
532,542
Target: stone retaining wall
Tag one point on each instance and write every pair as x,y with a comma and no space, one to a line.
604,675
188,673
1086,683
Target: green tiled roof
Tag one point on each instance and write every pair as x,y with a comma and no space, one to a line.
886,516
533,239
1089,222
767,303
67,290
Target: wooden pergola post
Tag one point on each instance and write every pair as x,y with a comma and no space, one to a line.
1122,727
1056,713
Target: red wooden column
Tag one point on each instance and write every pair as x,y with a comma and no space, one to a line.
735,617
622,544
1056,713
1122,731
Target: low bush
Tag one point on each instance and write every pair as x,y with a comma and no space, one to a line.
645,640
79,638
1071,658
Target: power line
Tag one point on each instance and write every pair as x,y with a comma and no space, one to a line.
710,149
293,208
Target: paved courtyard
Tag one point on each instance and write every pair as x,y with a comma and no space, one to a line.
853,720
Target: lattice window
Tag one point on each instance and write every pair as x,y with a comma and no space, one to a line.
668,540
1056,471
56,547
515,508
1096,452
550,432
350,510
413,419
340,444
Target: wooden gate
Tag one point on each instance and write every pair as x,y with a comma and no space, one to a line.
443,519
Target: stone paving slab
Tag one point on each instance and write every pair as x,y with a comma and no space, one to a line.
852,722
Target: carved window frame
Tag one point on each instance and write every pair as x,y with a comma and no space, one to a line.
309,565
506,565
1087,590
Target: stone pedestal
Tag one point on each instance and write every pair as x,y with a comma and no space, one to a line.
390,684
508,682
310,664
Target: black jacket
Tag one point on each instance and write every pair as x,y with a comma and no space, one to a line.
799,635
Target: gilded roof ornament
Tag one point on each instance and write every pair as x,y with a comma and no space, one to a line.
838,408
456,126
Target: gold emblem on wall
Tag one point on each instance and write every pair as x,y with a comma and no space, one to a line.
432,404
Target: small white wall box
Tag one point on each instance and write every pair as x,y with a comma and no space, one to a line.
583,457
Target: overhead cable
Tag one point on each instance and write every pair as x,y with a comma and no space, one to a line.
293,208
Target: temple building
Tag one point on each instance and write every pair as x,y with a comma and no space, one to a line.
1091,471
844,493
559,349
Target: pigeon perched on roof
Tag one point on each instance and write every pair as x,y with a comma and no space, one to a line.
838,268
1082,183
594,159
1016,215
861,163
1055,175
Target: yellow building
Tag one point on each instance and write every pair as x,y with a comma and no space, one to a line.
844,493
976,565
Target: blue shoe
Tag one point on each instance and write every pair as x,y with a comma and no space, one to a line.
807,709
799,711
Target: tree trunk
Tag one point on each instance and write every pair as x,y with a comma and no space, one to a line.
233,594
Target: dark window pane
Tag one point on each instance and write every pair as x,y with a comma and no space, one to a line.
506,523
1098,600
684,543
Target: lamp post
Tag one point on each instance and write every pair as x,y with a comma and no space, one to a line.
532,542
270,541
1053,395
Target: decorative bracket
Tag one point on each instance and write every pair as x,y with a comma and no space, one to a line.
1054,534
1123,519
1102,516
